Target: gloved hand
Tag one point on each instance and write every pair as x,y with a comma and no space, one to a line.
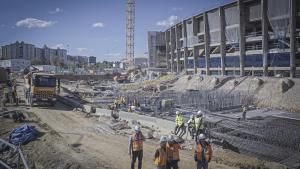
195,157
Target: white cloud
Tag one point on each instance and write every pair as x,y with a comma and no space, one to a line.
112,54
98,25
34,23
171,20
177,9
84,50
57,10
60,45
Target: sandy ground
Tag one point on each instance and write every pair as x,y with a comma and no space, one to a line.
71,140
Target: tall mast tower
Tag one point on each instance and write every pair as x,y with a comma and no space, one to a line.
130,19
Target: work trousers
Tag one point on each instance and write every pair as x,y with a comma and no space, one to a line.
191,131
136,155
199,131
181,130
172,164
162,167
202,165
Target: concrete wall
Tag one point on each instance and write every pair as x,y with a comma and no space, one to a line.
86,77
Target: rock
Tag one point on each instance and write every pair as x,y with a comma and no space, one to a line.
147,133
284,85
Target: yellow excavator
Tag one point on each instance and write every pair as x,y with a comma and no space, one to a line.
40,87
129,75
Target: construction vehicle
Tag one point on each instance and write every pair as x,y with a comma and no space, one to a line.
8,93
129,75
40,88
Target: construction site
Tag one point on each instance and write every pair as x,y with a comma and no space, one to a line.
250,111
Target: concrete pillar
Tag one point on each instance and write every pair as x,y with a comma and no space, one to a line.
223,40
177,46
167,49
195,54
242,36
185,52
178,54
265,35
172,50
207,43
293,38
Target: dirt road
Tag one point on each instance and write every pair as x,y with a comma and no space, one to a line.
71,140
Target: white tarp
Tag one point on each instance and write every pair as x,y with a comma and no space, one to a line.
232,21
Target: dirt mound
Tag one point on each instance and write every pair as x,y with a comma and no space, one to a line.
280,94
195,82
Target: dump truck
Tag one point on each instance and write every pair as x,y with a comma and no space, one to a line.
40,88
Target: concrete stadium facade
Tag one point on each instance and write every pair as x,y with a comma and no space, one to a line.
246,37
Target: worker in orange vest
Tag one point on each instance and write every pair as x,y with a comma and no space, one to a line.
203,152
135,147
172,153
160,156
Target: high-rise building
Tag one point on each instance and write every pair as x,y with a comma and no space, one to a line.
18,50
92,60
45,55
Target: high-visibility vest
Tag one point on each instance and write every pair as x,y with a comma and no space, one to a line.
173,151
207,150
179,120
191,123
161,160
199,123
137,144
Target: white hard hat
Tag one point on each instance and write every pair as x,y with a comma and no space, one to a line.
199,113
178,112
201,137
170,138
137,128
163,139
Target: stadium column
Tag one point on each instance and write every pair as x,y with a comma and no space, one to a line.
242,36
177,48
194,47
293,38
167,49
265,36
172,50
223,40
207,44
185,50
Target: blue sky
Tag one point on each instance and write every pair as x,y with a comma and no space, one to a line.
90,27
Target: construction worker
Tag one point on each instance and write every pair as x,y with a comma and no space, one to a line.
160,156
199,124
135,147
172,153
179,122
192,126
244,110
203,152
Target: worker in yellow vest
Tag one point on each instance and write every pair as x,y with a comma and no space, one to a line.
172,153
135,147
179,124
192,126
199,123
160,156
203,152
